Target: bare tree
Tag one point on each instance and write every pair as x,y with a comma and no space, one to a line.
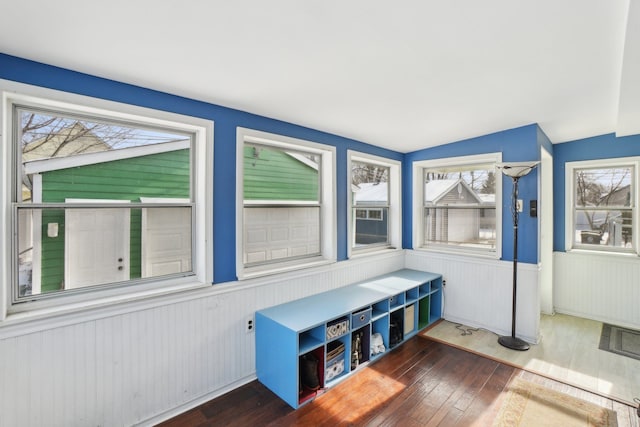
45,135
600,188
368,173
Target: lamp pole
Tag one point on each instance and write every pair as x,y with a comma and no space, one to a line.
515,171
512,341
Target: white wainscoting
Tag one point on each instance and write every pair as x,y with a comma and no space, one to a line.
478,291
143,365
598,286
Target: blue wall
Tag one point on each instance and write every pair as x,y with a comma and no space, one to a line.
597,147
516,145
520,144
226,120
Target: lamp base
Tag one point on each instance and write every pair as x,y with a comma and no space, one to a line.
513,343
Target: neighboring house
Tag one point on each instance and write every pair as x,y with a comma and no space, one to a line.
281,205
371,214
446,219
125,175
72,140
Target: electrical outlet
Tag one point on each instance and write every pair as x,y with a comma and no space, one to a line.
249,325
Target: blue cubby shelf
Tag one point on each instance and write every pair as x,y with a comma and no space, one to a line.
287,333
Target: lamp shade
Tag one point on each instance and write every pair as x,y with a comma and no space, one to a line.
517,169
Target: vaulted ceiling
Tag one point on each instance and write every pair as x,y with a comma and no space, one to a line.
402,75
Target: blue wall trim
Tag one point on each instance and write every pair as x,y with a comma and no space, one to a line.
519,144
226,121
598,147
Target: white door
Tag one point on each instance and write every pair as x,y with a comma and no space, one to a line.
96,246
166,239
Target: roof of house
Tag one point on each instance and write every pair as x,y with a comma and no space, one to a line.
368,192
56,163
437,189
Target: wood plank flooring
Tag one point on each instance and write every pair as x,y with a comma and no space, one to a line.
420,383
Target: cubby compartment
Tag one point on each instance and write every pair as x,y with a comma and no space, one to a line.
310,339
379,309
336,360
360,318
435,306
310,374
379,342
396,301
424,289
411,296
396,328
360,346
423,312
337,327
410,324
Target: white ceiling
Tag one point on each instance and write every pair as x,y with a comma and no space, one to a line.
404,75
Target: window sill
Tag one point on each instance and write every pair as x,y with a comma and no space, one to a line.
592,252
271,269
461,252
360,253
36,316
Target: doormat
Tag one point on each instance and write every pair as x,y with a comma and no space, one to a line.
620,341
531,405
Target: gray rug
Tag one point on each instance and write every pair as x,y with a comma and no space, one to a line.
620,341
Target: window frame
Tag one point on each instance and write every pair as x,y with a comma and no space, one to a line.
11,94
570,207
327,196
394,222
419,204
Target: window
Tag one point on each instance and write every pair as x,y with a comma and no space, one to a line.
458,199
375,203
103,198
602,205
286,190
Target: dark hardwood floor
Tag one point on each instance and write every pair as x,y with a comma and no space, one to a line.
420,383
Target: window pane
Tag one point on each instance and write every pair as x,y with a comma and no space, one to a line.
370,187
62,249
469,227
370,184
613,228
603,187
46,138
88,164
274,174
372,227
279,233
603,208
460,206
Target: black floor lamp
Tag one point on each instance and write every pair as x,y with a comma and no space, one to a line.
515,171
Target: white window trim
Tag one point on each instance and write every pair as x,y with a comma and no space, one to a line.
395,203
12,92
418,203
569,225
327,196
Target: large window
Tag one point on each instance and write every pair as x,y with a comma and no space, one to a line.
286,218
375,218
602,205
458,204
102,199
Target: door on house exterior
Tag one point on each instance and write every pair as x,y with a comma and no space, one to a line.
96,245
165,238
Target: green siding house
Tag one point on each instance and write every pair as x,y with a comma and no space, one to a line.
161,170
